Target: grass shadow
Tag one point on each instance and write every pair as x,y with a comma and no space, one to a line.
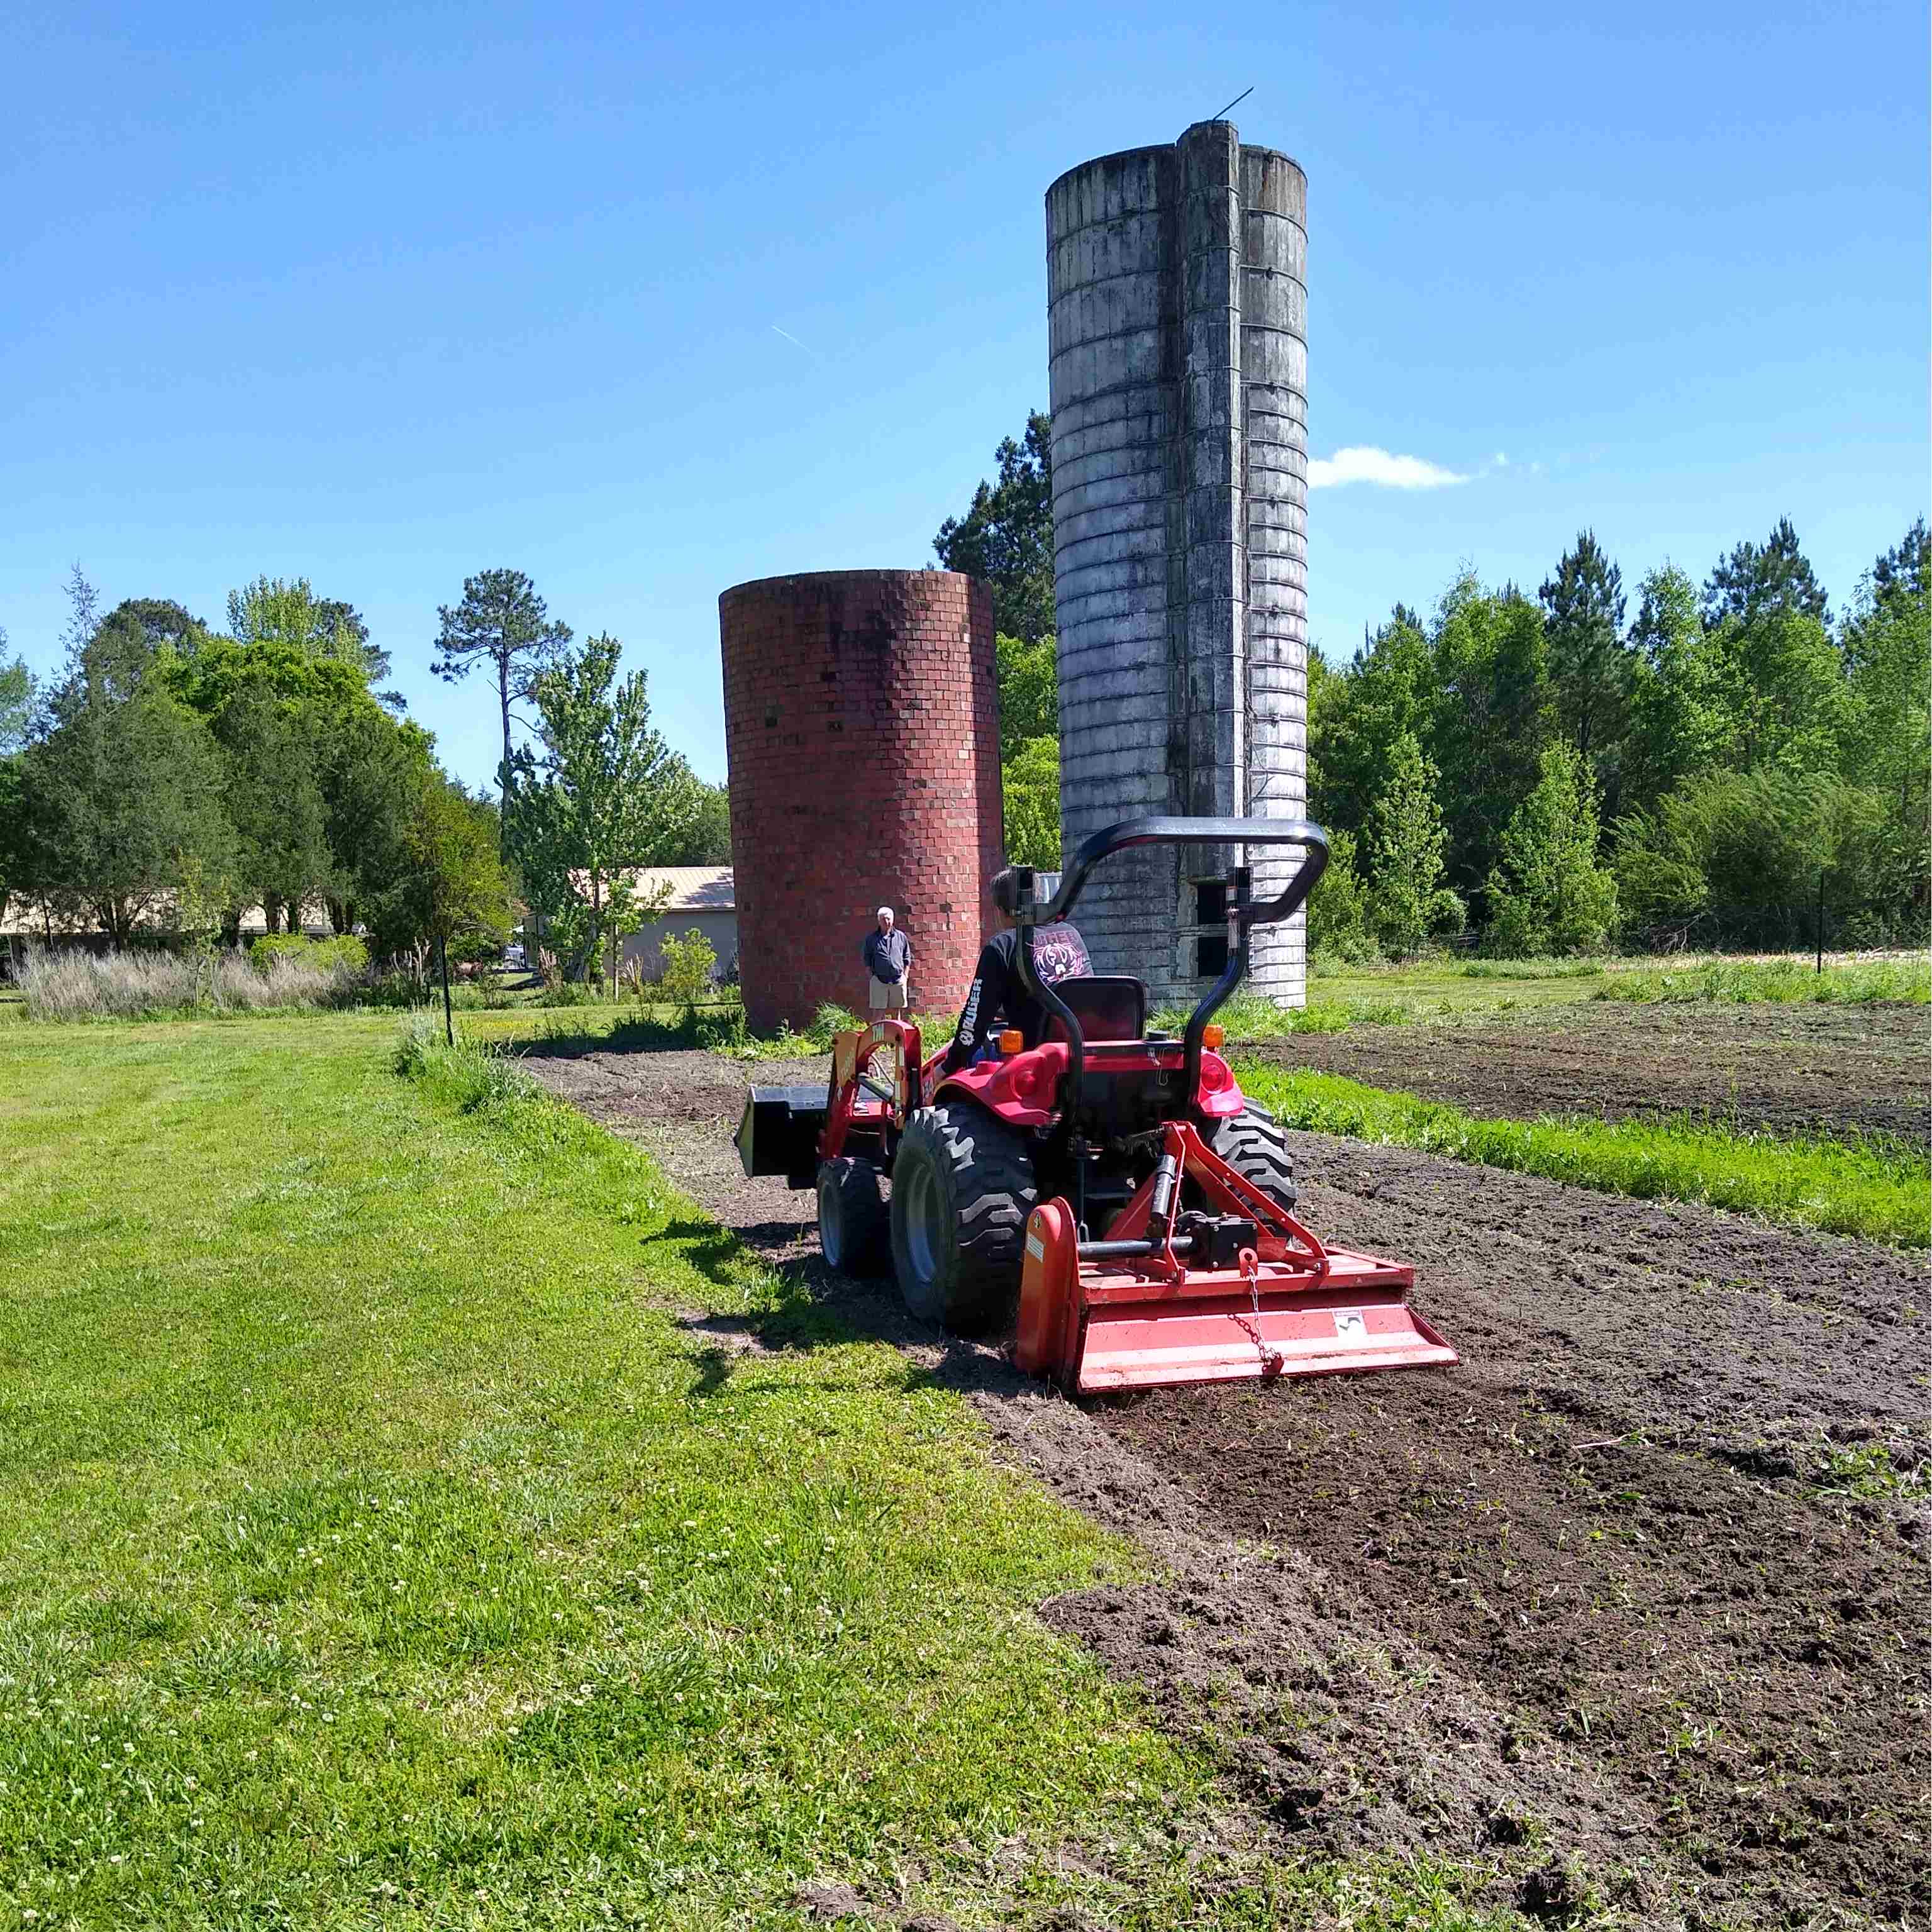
809,1306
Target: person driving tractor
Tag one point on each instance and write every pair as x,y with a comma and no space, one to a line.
997,998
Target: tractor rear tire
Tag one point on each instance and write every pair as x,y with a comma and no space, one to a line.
962,1188
1254,1147
852,1226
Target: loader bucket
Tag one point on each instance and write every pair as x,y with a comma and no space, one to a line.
1093,1324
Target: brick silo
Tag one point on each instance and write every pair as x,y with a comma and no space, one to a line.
861,723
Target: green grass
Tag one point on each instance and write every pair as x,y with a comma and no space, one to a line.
1255,1016
378,1545
1879,1189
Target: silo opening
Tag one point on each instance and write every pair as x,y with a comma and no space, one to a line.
1210,910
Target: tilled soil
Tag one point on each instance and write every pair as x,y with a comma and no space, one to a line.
1599,1611
1827,1069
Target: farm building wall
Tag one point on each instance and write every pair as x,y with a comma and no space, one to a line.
643,948
1177,317
862,725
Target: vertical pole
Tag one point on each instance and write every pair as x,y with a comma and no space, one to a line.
1820,928
442,959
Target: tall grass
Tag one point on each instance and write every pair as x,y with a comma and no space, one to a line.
1748,982
1879,1189
1530,969
152,985
464,1075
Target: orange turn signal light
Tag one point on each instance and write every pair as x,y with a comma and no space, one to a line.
1213,1036
1012,1040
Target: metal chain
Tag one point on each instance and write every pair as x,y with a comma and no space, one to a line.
1272,1358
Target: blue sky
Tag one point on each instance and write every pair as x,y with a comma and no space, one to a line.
386,296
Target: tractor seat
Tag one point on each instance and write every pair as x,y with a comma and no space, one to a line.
1108,1005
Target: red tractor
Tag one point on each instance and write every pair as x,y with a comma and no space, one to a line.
1110,1185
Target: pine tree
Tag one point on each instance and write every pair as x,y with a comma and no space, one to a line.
1756,579
1589,667
503,625
1006,538
1546,893
1407,899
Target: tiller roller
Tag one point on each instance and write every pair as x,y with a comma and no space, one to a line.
1111,1185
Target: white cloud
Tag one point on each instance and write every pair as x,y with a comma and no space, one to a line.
1379,467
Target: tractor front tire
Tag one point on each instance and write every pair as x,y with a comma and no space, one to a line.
962,1188
852,1229
1253,1145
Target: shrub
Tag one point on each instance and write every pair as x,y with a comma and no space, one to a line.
691,966
829,1019
343,953
716,1028
1747,850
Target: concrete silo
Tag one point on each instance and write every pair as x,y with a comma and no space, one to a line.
1177,304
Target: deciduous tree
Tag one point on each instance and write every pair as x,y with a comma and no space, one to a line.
273,796
708,840
1355,719
1031,782
1029,693
605,793
269,611
1681,708
454,886
124,791
1493,713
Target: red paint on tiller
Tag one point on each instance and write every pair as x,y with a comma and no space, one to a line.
1288,1307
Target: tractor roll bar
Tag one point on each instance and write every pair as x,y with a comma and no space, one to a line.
1242,913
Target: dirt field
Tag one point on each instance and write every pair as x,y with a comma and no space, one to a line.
1586,1610
1818,1069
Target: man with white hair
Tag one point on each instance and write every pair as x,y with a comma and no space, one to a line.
888,956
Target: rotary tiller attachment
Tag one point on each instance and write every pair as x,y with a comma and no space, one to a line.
1238,1290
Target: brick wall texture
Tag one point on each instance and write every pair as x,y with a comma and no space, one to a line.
862,727
1177,335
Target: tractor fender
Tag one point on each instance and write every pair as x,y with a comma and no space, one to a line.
1049,1340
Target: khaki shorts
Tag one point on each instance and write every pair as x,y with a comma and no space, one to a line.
885,998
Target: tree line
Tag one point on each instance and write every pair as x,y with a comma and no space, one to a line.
169,778
1557,769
